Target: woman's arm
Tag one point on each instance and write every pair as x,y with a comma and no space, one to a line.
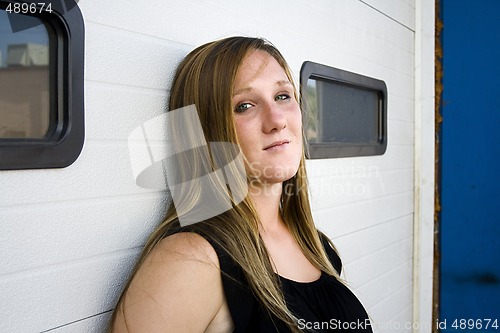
177,289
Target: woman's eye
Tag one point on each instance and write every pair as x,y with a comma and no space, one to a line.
242,107
282,97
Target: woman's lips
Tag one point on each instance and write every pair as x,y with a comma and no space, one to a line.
277,144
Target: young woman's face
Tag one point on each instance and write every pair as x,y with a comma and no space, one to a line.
268,119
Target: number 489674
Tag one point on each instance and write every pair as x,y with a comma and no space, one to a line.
475,324
29,8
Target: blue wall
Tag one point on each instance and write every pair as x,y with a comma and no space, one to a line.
470,136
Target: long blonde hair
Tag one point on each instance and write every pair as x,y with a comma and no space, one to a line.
206,78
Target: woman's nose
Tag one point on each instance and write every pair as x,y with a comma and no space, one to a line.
274,118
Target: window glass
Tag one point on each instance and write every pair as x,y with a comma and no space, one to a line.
24,77
345,114
41,84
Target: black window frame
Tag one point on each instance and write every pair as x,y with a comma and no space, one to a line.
316,71
64,141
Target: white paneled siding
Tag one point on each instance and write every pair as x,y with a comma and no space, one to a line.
69,237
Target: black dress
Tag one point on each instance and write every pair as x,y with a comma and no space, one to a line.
324,305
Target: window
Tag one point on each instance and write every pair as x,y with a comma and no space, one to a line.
41,75
345,113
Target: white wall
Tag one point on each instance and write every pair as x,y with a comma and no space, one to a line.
370,212
68,237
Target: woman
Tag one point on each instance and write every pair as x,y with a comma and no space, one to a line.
261,266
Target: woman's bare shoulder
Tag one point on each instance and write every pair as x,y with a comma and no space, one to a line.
185,245
178,288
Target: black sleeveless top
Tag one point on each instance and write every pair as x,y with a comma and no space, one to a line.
324,305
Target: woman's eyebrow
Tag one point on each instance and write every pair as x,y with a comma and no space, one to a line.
283,83
242,90
249,89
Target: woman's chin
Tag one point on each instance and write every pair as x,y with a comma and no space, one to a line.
275,178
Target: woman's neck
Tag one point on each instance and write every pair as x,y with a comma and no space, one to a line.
266,199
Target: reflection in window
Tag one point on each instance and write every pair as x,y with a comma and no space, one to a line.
24,78
348,113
